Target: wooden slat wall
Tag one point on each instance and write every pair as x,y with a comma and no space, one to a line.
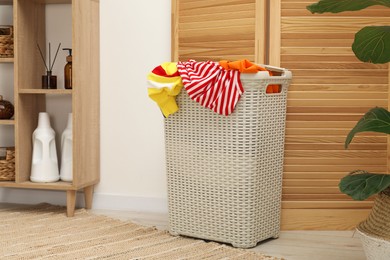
218,29
330,91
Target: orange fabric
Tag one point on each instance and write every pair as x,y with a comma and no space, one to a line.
273,89
245,66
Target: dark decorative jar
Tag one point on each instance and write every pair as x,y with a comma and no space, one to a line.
6,109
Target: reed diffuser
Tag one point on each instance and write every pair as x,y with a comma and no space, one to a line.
49,81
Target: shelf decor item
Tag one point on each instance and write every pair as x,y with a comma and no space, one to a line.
68,69
66,173
44,166
7,164
49,81
6,41
6,109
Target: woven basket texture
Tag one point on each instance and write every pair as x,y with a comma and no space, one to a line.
225,172
6,41
375,230
7,166
378,222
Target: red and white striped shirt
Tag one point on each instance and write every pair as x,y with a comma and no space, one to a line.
211,85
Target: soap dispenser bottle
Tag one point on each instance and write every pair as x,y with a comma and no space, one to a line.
68,69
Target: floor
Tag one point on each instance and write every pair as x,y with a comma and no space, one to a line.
291,245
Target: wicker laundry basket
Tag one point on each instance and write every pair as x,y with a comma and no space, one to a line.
225,172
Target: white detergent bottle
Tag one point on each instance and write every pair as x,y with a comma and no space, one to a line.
44,167
66,155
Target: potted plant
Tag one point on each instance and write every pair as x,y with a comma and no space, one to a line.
371,44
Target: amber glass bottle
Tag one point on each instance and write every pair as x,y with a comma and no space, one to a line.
68,70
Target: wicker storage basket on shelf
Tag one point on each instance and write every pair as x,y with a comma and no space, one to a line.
7,164
225,172
375,230
6,41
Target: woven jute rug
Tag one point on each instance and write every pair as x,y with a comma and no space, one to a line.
44,232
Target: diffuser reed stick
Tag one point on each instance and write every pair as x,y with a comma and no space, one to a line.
49,57
49,81
55,57
43,59
51,65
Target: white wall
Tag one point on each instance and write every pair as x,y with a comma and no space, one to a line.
58,31
135,37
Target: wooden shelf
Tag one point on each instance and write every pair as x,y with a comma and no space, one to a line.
6,60
55,1
10,2
7,122
60,185
46,91
30,99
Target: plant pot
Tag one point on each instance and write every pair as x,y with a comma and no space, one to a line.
375,230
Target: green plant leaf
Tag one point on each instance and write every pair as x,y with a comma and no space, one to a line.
363,185
375,120
337,6
372,44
